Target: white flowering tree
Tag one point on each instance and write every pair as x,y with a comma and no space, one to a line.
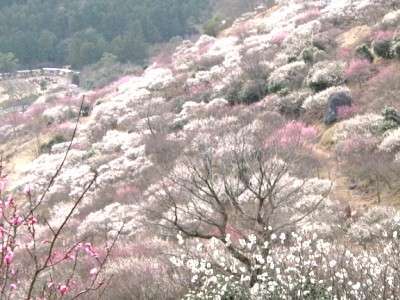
238,197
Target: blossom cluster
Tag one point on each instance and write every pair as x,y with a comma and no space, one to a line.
326,74
294,264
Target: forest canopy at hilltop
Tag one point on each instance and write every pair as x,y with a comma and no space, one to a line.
78,33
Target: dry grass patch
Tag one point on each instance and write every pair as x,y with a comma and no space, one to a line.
354,36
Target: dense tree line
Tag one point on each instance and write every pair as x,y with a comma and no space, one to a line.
76,32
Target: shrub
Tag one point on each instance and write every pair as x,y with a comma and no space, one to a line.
244,91
59,114
382,44
363,126
325,74
391,19
295,134
46,147
391,142
312,55
279,37
43,261
214,25
288,77
395,48
250,92
291,104
358,70
364,52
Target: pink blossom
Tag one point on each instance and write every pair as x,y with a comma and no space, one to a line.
279,37
69,255
32,220
358,68
13,286
16,220
97,94
383,35
63,289
294,133
8,258
27,190
387,72
344,53
90,250
34,111
345,112
10,201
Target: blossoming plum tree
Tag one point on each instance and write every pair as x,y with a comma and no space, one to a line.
40,260
235,196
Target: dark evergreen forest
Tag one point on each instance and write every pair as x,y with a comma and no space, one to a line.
36,33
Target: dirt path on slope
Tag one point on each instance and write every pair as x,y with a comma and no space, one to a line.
343,189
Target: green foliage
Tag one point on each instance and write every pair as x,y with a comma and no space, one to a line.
131,46
276,88
106,70
391,119
365,52
383,49
46,147
43,85
8,62
213,26
75,79
78,33
85,47
318,86
244,91
396,48
251,92
308,55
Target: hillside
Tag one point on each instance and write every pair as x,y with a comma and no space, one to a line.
258,164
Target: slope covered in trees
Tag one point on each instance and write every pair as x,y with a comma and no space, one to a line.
262,163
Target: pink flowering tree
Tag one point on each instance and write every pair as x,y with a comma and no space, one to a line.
293,134
346,112
358,70
39,260
279,37
382,89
